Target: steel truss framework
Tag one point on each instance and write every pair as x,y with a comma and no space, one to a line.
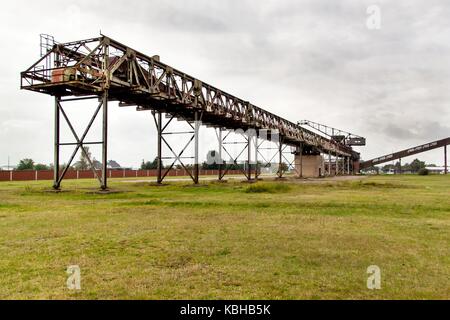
225,166
162,130
80,142
112,71
260,145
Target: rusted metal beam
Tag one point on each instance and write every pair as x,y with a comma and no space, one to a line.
405,153
138,79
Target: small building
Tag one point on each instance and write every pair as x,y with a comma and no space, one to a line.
436,170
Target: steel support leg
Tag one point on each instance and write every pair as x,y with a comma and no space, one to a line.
56,183
104,185
329,164
445,160
280,158
220,153
249,157
79,140
256,158
159,146
336,165
323,173
301,161
196,139
348,165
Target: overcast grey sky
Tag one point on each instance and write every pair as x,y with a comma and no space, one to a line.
313,60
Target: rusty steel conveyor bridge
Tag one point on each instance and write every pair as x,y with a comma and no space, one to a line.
409,152
106,70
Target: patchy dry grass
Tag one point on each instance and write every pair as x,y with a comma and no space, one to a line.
229,241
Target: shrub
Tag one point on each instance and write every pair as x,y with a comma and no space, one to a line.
423,172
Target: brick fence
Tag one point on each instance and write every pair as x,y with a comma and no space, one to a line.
88,174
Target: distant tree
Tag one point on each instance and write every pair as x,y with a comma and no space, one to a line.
387,168
398,167
26,164
416,165
149,165
41,166
372,169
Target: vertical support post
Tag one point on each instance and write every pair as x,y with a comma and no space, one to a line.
105,142
280,157
348,165
196,137
301,160
159,137
249,156
336,165
323,173
329,163
220,153
400,166
256,158
445,160
56,146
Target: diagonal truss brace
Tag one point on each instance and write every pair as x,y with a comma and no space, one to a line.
234,160
80,143
259,147
177,157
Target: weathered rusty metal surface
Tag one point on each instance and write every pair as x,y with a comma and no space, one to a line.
92,66
405,153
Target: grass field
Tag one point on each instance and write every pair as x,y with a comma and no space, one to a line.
270,240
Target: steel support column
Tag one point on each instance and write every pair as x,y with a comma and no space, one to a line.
256,158
176,157
445,160
348,165
104,184
280,158
219,137
249,156
301,161
323,173
234,160
79,141
196,141
336,165
329,164
258,154
159,146
56,184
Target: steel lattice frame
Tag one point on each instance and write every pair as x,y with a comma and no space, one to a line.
114,72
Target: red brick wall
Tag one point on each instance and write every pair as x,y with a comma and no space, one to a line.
88,174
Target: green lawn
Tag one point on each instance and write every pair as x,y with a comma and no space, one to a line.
273,240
